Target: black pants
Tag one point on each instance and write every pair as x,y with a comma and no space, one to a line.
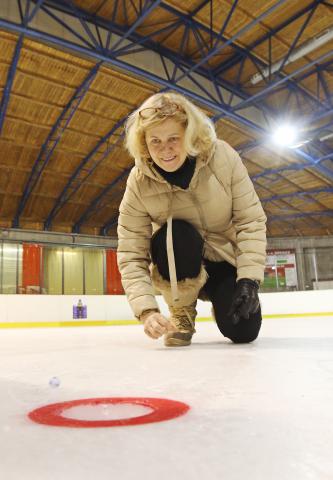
220,286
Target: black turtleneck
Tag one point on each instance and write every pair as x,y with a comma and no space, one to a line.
181,177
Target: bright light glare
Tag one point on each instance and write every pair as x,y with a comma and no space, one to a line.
285,136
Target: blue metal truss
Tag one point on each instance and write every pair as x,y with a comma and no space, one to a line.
240,57
98,53
26,18
83,171
94,48
112,223
9,82
272,87
323,213
295,166
63,120
52,141
282,196
280,201
95,205
48,148
178,59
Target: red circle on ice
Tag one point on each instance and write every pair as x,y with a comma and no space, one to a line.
163,409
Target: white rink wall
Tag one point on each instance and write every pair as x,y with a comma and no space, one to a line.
18,309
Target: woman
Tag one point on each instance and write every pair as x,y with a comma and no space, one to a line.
190,225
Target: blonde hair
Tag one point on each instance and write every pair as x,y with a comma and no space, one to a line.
200,133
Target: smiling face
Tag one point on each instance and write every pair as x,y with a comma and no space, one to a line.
165,144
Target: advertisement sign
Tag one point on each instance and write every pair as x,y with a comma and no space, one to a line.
280,270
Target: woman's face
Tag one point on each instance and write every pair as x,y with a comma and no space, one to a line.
165,144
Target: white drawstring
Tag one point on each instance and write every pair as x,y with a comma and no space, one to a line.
171,261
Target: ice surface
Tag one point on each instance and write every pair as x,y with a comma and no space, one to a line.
106,412
258,411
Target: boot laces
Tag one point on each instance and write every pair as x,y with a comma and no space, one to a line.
183,319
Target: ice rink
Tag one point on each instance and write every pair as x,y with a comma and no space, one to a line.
261,411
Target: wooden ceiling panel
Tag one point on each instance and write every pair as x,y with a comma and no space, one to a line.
8,43
76,142
92,6
71,213
232,133
106,108
41,89
37,209
64,162
22,132
8,206
60,66
103,216
266,157
34,113
50,185
122,86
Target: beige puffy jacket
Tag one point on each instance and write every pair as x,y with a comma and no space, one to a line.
220,203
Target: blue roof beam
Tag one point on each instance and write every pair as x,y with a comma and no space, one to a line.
223,67
274,85
62,43
10,80
148,7
296,39
26,18
261,64
93,43
89,164
296,166
104,230
95,205
328,213
224,25
64,7
52,141
166,84
200,7
322,83
76,179
302,194
223,44
177,59
138,71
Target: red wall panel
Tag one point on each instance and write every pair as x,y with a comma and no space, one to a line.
113,279
31,269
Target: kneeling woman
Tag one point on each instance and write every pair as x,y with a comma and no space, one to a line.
190,225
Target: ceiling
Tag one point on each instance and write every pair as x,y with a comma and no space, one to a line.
71,72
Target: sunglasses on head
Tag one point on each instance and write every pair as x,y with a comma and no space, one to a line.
165,111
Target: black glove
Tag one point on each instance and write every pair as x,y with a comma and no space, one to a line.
245,300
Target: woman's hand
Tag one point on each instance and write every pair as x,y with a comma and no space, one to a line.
155,324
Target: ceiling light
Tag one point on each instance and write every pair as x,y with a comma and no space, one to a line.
285,136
